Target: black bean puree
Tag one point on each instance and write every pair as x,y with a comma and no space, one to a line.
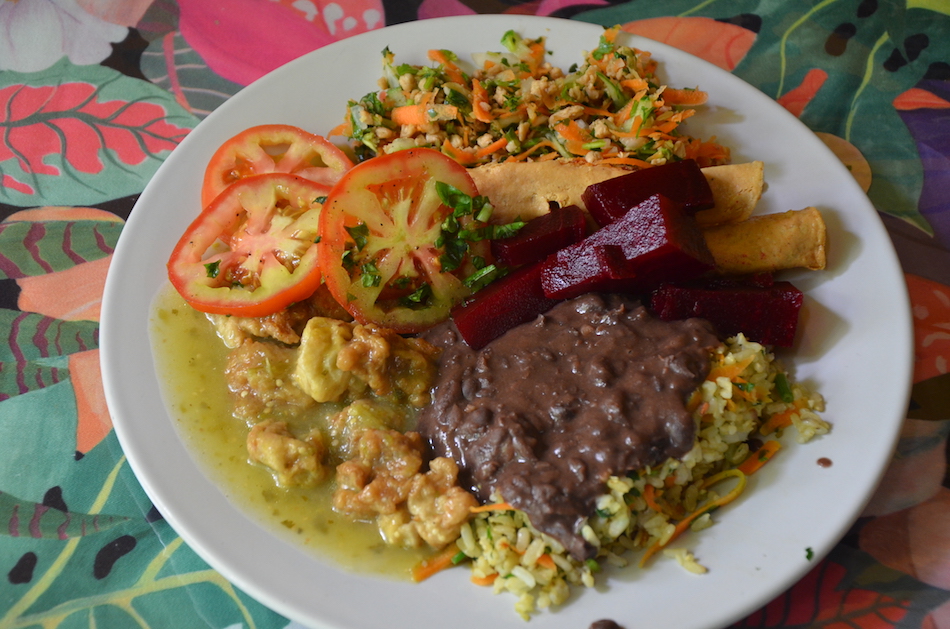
546,413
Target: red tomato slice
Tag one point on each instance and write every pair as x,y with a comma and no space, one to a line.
273,148
380,232
253,250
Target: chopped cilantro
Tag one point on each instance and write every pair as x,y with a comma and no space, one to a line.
359,234
370,275
213,268
783,389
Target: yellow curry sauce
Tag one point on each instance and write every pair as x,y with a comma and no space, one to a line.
190,361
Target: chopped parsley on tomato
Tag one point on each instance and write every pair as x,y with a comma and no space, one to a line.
405,239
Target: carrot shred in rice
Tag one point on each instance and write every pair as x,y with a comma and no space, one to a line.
497,506
684,524
760,457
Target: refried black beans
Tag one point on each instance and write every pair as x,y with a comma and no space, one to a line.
546,413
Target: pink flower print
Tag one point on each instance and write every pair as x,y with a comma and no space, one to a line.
245,39
35,34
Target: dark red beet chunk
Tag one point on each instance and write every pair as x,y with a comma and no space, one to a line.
539,238
587,268
653,243
765,314
515,299
682,182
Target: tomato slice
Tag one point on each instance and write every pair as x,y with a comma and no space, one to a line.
273,148
253,250
382,246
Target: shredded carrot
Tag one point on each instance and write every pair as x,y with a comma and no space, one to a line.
344,129
497,506
535,56
486,580
706,153
593,111
673,96
575,137
494,147
781,420
434,564
684,524
451,70
760,457
635,85
463,157
636,129
624,114
423,113
536,147
479,96
628,161
730,371
649,495
546,561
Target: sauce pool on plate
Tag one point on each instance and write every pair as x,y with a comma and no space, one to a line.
190,360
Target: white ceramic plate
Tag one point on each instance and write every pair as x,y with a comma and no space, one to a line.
855,347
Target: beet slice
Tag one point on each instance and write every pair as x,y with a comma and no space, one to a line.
653,243
682,182
542,236
765,314
587,268
514,299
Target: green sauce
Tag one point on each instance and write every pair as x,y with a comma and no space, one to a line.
190,360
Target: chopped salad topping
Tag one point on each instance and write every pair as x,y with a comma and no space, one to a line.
517,106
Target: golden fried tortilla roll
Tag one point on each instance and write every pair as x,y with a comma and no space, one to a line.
793,239
736,189
526,189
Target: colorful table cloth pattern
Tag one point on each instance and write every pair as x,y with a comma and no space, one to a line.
95,94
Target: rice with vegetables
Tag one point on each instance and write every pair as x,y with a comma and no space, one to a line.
746,399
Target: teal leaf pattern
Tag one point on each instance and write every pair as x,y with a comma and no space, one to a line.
23,518
137,574
31,336
17,378
29,248
81,135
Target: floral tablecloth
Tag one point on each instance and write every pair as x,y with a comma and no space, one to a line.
95,94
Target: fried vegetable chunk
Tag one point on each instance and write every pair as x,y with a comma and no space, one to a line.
258,375
412,507
338,359
294,461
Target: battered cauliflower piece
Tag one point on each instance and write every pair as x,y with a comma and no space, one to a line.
346,426
317,373
339,359
258,375
438,506
378,480
294,461
411,507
